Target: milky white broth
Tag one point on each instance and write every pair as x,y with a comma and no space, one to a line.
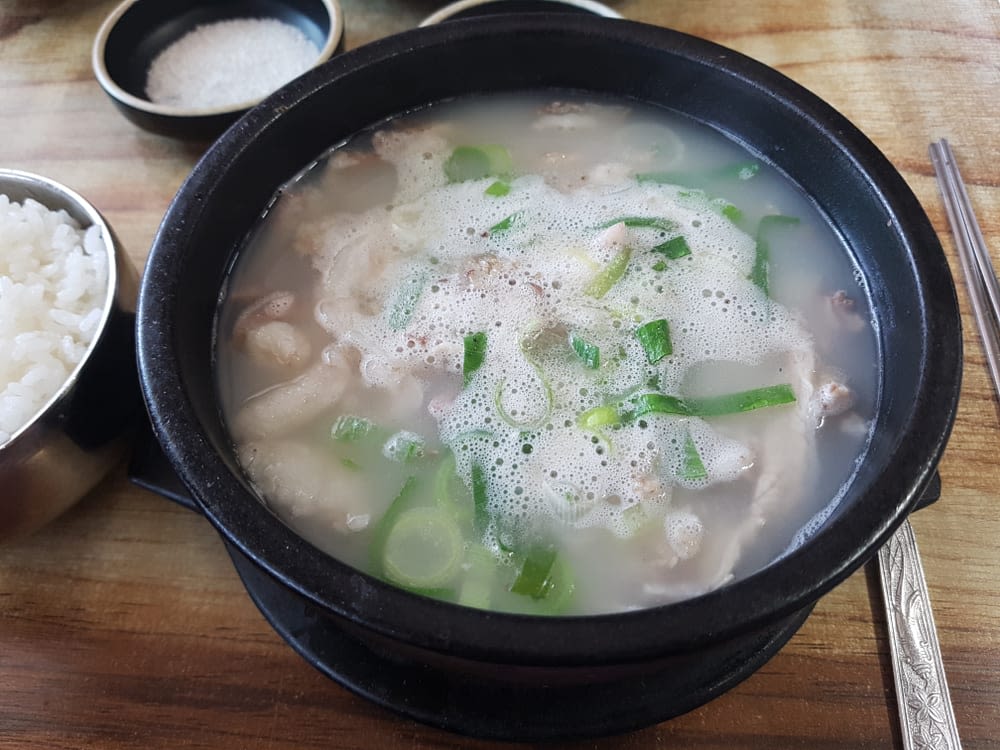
555,357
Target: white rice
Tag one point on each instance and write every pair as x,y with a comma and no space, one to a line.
53,282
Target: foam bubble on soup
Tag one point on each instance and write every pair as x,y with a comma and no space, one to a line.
546,357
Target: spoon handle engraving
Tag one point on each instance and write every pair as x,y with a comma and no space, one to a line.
926,716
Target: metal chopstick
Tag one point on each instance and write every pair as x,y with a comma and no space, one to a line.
980,276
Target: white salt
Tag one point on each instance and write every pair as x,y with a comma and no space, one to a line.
226,63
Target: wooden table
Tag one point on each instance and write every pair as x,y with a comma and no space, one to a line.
123,623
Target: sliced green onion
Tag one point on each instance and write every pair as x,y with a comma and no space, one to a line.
498,189
467,163
349,464
641,222
561,587
655,339
594,419
659,266
587,352
463,439
405,499
635,407
634,518
506,534
656,403
692,467
544,579
450,493
404,446
475,353
423,549
530,423
504,224
480,499
405,301
477,162
444,480
661,178
533,579
609,275
760,272
732,213
477,584
674,248
349,428
733,403
739,171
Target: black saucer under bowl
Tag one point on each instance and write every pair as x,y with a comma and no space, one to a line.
490,707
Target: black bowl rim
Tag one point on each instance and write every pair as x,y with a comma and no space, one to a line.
788,585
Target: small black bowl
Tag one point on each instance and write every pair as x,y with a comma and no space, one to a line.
138,30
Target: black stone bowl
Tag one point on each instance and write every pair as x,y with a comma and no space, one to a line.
137,31
519,677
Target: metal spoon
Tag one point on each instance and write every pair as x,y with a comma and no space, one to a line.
926,716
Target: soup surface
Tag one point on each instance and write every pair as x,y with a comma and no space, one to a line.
554,357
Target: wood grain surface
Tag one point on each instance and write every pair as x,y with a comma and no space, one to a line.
123,623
